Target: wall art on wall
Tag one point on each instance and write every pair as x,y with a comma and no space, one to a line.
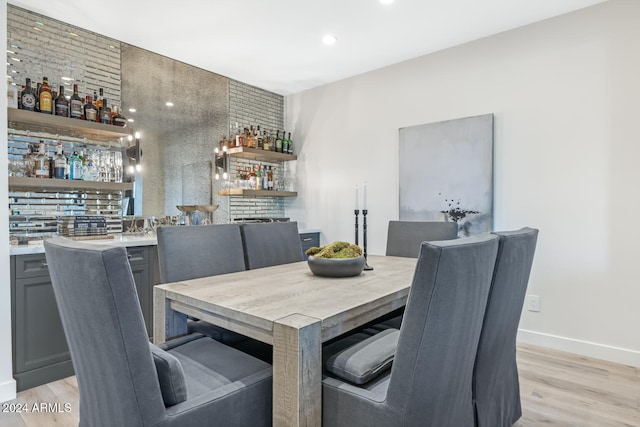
446,173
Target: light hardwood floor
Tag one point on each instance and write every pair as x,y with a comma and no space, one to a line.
557,389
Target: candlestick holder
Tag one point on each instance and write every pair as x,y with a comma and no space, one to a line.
367,267
357,213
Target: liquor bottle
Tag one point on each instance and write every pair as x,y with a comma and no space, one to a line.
265,178
245,141
42,162
117,118
266,142
290,144
239,137
270,179
37,95
61,105
30,158
90,112
27,98
259,139
75,104
59,163
258,178
285,143
97,99
251,142
75,168
46,98
278,142
105,113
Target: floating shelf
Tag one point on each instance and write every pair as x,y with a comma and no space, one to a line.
39,122
45,184
255,154
256,193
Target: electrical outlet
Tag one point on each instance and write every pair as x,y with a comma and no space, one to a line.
533,303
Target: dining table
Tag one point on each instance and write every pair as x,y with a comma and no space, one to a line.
290,308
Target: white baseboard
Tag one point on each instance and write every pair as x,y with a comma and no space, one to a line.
590,349
7,390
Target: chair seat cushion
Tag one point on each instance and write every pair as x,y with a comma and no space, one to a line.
209,364
170,375
360,358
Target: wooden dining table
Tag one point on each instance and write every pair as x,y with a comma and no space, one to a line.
293,310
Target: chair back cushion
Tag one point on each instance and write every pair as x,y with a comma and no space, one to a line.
432,371
271,243
191,252
496,388
101,316
405,237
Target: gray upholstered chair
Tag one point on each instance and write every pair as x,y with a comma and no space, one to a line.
404,237
191,252
271,243
496,389
429,383
123,379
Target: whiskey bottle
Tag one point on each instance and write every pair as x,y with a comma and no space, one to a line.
59,163
61,104
75,104
42,162
290,144
278,142
270,179
259,139
285,143
90,112
258,178
97,99
251,141
266,141
27,98
117,118
46,98
105,113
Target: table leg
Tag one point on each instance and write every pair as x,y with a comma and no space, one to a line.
167,323
297,371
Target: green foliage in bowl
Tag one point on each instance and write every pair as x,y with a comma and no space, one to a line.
335,250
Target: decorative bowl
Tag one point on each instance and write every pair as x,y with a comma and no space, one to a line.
336,267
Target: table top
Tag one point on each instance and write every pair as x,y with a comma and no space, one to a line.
261,296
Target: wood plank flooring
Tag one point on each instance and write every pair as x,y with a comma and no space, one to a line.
557,389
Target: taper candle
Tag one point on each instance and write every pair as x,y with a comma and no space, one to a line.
364,203
356,197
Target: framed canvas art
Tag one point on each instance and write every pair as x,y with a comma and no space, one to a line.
446,173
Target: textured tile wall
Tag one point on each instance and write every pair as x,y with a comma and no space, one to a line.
177,143
39,46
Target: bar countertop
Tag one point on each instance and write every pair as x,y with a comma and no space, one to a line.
119,239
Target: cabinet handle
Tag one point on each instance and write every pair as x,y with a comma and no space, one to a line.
129,256
308,239
43,264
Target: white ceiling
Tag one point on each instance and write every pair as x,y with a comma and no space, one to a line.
276,45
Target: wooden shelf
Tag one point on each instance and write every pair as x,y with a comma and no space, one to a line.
255,154
40,122
256,193
44,184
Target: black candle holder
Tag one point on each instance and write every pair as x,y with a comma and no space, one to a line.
357,213
367,267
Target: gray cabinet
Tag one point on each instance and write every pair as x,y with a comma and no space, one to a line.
40,352
309,240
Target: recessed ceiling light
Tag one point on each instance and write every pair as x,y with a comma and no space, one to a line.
386,1
329,39
130,120
169,104
132,110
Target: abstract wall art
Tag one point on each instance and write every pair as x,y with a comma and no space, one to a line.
446,173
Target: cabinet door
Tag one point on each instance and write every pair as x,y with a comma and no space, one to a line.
139,261
39,336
